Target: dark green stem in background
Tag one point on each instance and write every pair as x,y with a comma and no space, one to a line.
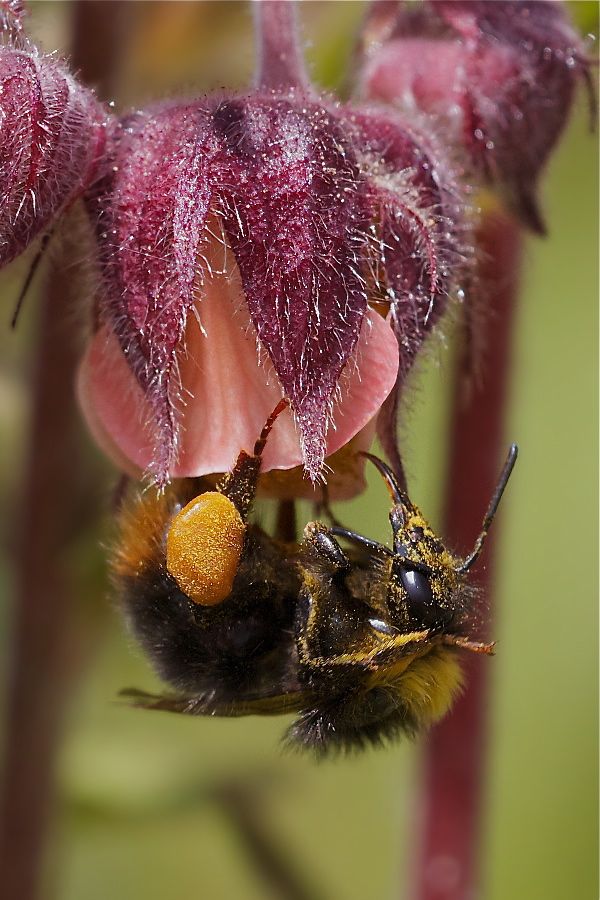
56,497
451,807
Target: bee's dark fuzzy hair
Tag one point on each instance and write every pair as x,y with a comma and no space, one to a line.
339,728
386,711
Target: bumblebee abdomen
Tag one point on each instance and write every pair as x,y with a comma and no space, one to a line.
197,648
232,642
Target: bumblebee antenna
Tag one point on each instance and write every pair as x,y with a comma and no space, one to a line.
492,509
396,493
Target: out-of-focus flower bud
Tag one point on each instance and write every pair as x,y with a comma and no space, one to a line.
321,208
11,15
52,134
501,75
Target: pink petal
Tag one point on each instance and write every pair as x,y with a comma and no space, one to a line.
227,393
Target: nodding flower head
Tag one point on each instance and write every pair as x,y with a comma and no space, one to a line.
315,210
500,76
245,246
52,133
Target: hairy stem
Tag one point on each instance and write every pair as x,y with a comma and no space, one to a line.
55,501
280,64
451,810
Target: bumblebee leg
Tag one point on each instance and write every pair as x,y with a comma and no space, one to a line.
340,530
323,506
206,705
320,539
239,485
366,542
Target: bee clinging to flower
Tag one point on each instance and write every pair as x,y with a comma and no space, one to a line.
361,641
245,246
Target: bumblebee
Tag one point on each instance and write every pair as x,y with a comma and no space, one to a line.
361,641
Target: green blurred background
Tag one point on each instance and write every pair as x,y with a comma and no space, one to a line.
142,809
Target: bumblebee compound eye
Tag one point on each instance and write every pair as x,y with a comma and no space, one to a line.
422,604
418,588
204,545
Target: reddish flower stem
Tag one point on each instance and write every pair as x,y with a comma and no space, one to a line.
37,677
280,63
55,501
451,809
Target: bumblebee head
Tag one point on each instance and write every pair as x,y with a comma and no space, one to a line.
426,580
381,639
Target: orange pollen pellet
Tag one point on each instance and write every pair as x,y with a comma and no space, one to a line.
204,544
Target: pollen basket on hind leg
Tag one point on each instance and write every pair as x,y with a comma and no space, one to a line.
204,545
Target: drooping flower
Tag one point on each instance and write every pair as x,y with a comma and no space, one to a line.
500,75
323,207
52,134
320,211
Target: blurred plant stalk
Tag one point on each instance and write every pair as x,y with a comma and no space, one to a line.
57,495
451,806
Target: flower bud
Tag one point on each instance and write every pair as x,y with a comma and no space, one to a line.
501,75
52,132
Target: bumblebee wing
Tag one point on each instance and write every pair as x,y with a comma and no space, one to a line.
206,705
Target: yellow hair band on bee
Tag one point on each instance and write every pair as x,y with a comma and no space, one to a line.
204,544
